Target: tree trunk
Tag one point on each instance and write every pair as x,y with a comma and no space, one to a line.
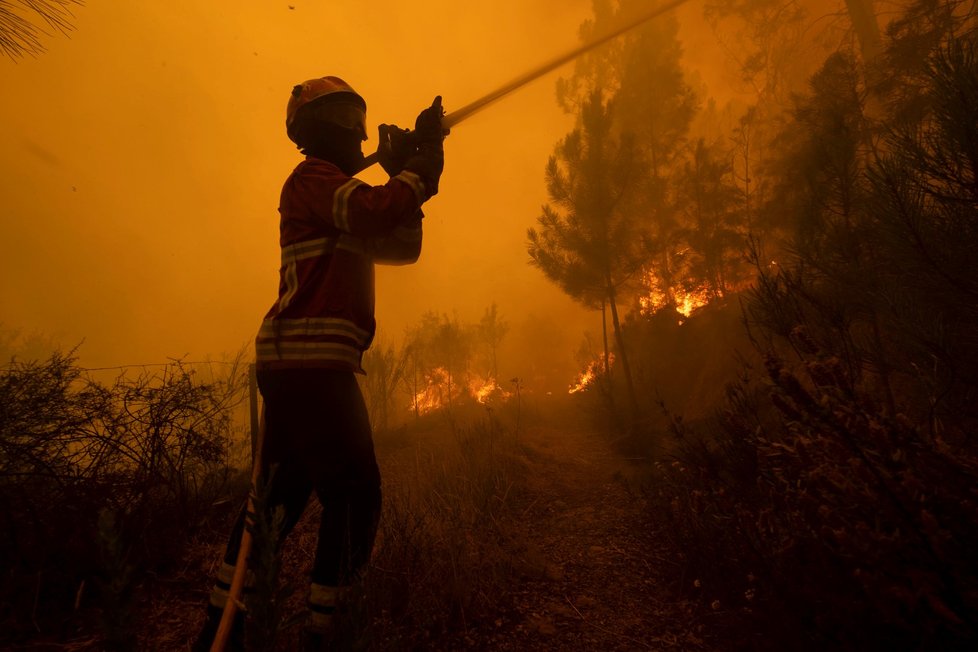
867,29
604,338
417,411
626,368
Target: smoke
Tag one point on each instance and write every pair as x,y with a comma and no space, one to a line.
143,159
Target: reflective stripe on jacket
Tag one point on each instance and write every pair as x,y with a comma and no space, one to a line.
333,229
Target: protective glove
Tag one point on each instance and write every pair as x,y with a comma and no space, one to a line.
395,148
428,163
428,127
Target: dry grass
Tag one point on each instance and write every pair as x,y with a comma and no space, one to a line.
441,560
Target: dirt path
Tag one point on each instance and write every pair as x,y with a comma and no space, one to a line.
589,579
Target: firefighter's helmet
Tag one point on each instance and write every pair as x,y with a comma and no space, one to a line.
327,99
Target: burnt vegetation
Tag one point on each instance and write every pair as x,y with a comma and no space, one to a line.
789,352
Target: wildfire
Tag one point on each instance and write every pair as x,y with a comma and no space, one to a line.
434,395
653,301
685,303
585,379
483,390
689,302
590,373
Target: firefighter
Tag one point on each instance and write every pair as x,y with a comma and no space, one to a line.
333,229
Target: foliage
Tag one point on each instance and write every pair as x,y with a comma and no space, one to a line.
651,108
15,344
825,523
20,32
443,363
589,242
832,505
712,233
150,451
386,369
440,348
490,333
116,585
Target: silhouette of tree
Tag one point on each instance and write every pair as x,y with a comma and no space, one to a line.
714,225
822,200
654,105
924,206
22,24
491,331
438,346
386,369
589,242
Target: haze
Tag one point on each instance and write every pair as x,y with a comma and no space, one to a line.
143,156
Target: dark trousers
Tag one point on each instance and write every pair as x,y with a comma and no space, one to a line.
318,439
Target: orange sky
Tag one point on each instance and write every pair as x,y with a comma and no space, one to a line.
142,160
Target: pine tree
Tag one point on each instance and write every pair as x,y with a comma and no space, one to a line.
588,242
20,31
714,226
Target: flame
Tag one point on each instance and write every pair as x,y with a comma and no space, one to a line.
585,379
433,395
590,373
689,302
684,302
483,390
653,301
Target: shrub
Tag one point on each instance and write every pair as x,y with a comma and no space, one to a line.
150,450
833,504
833,524
442,559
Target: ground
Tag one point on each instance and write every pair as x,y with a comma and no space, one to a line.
591,580
587,571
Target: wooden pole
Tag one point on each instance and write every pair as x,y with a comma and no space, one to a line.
241,563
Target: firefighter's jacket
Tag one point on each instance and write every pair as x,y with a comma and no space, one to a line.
333,229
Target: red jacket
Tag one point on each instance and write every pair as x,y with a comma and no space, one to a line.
333,229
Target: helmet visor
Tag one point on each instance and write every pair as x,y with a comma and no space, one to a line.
347,115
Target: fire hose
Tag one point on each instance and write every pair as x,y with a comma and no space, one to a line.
241,562
470,109
448,121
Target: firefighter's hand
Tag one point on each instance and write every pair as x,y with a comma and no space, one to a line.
428,163
395,148
428,127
